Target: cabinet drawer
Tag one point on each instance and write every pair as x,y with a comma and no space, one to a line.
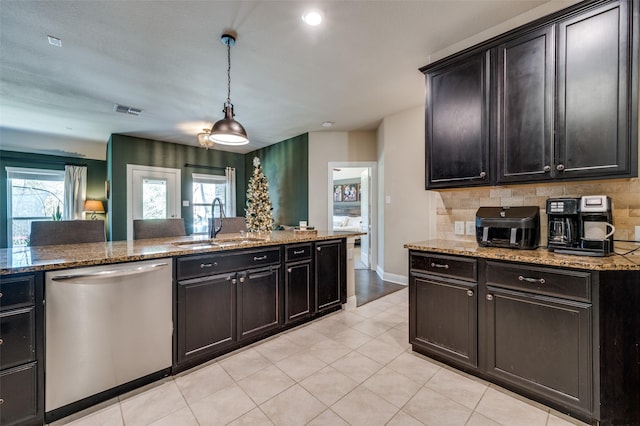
197,266
17,337
298,252
450,266
568,284
16,292
19,395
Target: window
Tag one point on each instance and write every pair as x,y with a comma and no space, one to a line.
205,189
154,198
33,194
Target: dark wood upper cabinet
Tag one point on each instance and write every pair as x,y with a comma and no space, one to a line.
553,100
457,134
594,102
524,102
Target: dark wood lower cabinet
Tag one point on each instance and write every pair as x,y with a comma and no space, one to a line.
258,301
206,315
20,395
21,349
567,338
444,318
541,344
298,290
227,300
330,274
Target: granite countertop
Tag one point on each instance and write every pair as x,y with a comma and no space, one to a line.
43,258
540,256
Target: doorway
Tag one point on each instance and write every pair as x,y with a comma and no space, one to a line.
153,193
351,206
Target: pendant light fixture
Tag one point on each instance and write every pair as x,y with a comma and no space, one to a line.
228,131
203,139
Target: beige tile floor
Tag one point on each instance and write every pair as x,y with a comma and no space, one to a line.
353,367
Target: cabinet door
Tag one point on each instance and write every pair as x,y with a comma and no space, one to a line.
298,291
19,396
17,337
525,79
330,275
258,301
594,98
443,318
206,315
541,344
457,134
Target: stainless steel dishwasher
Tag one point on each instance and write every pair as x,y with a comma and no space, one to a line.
105,326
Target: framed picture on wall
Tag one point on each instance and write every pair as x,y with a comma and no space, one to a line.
349,192
337,192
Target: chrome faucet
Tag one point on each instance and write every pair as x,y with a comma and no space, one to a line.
213,231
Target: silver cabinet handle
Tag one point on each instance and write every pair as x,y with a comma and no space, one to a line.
289,270
0,295
1,401
256,258
547,168
489,297
234,281
208,265
469,293
1,341
560,167
242,279
318,248
438,265
298,251
531,280
483,175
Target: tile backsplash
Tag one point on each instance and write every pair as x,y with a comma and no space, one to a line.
461,204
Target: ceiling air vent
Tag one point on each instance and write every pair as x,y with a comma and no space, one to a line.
127,109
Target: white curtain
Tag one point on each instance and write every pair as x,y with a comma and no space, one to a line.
75,191
230,196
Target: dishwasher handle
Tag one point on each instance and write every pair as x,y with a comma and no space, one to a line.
111,273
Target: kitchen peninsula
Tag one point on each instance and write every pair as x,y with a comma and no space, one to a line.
560,329
222,294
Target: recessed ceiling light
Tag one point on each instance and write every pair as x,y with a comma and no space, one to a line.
312,17
55,41
327,124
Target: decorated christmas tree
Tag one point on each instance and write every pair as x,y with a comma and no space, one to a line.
258,211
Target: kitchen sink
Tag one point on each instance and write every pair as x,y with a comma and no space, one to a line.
217,242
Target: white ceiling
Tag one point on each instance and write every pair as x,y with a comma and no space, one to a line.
165,57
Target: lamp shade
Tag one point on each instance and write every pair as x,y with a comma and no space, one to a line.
228,131
95,206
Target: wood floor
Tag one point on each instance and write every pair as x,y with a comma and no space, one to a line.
369,286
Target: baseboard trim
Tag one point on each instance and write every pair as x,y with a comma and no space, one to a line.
392,278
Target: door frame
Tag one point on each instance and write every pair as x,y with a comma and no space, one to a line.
373,203
177,175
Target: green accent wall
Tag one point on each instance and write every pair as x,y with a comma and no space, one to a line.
96,175
286,166
123,150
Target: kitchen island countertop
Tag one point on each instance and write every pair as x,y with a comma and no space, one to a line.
43,258
540,256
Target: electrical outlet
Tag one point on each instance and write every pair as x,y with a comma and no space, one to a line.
471,228
459,228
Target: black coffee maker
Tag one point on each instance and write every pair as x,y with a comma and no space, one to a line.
563,223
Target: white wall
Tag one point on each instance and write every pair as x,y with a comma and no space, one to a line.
401,177
326,147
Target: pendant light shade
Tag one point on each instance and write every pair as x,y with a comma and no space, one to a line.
228,131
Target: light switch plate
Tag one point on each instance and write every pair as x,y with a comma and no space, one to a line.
637,237
185,203
459,228
470,228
